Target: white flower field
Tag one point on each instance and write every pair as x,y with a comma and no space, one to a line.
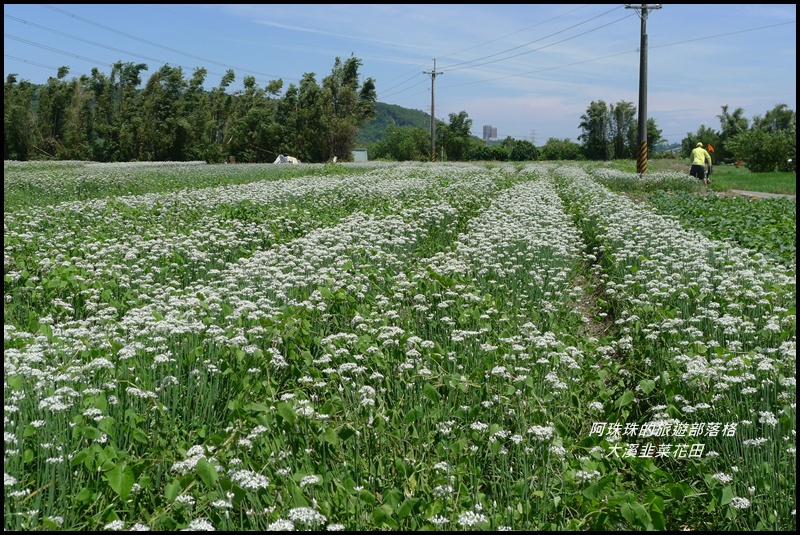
385,346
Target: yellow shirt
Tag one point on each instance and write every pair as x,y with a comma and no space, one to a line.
700,156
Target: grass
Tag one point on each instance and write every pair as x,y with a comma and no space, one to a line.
730,177
724,177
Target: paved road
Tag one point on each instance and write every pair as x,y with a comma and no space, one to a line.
761,195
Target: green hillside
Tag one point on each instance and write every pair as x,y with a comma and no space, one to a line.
389,114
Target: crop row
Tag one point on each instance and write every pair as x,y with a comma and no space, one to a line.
410,347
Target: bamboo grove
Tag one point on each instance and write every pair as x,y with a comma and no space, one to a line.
110,118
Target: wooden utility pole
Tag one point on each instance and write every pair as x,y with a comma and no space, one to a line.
433,74
641,155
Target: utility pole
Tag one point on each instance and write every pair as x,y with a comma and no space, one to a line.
641,156
433,74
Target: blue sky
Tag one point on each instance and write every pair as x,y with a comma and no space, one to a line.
531,71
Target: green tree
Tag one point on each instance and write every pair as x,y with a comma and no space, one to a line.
561,149
777,149
197,107
475,146
104,141
114,128
220,106
18,119
706,136
653,135
623,130
254,134
523,151
485,153
348,106
778,119
457,136
731,125
311,123
499,153
78,121
127,122
286,113
402,143
165,127
51,104
595,126
764,151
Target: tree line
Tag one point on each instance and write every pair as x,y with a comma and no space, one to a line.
608,132
109,118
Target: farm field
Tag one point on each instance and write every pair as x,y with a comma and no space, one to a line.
724,178
394,347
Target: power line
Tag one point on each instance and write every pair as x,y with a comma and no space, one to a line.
83,40
56,50
555,67
403,87
95,61
594,59
514,33
466,63
406,89
30,62
725,34
545,46
151,43
406,81
148,42
484,44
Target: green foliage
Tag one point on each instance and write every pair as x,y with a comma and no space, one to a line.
623,130
764,151
654,138
769,144
391,115
457,136
110,118
732,124
479,151
611,132
18,120
558,149
402,143
706,136
523,151
595,128
767,226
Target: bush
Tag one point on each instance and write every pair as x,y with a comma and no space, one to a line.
765,152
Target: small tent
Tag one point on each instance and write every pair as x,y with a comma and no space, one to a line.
286,159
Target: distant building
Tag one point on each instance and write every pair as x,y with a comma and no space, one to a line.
359,155
489,132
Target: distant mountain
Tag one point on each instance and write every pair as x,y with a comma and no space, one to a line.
389,114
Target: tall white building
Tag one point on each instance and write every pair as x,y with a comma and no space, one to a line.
489,132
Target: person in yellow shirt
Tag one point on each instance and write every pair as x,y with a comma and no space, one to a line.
700,157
